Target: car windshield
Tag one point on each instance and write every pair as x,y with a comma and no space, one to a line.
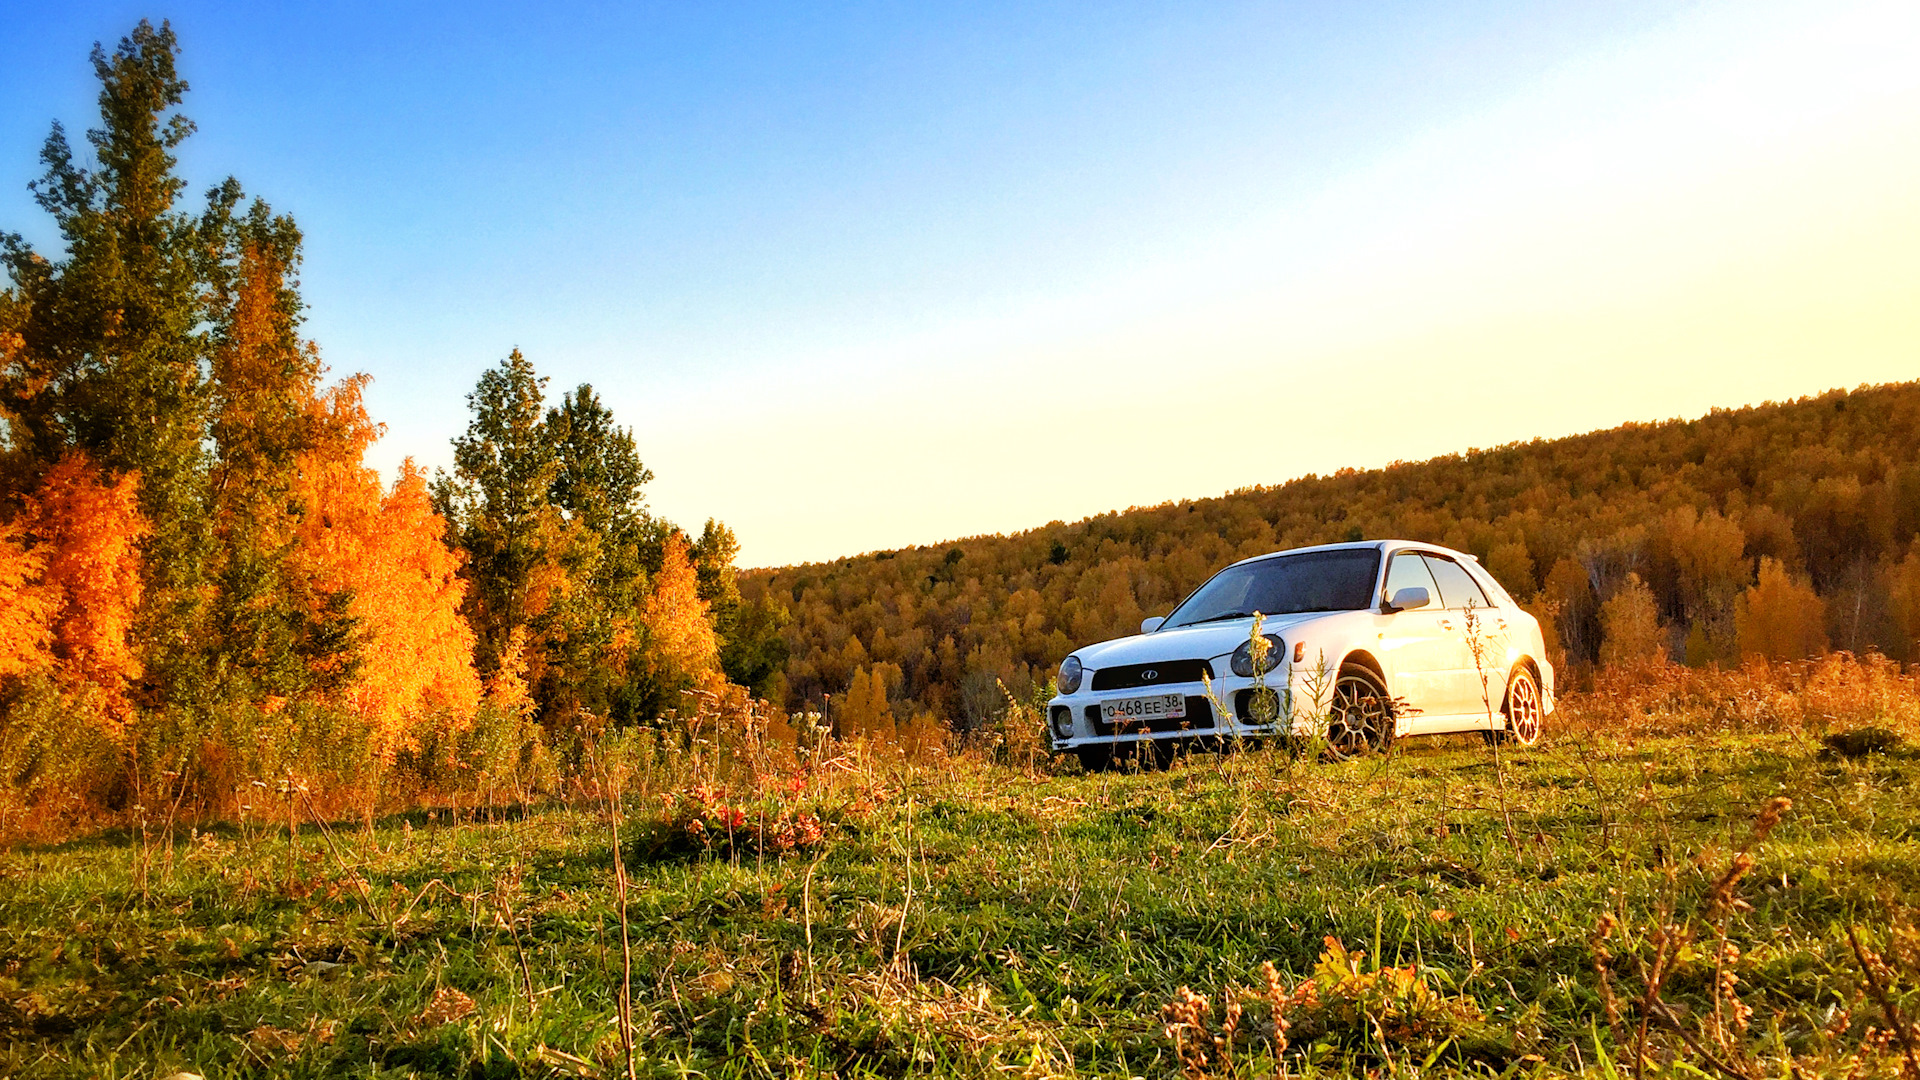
1338,580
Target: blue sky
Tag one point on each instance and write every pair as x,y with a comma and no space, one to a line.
871,275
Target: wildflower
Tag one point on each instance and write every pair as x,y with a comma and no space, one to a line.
1770,815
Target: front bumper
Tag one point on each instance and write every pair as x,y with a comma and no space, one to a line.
1228,711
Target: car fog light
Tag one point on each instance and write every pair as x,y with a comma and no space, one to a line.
1070,672
1243,657
1063,721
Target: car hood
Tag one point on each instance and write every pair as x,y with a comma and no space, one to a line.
1202,642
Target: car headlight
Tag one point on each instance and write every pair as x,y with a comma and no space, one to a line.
1070,672
1243,657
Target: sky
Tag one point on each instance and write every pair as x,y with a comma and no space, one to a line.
870,275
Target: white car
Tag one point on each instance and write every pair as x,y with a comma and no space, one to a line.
1359,644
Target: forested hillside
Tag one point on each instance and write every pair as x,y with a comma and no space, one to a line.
1780,530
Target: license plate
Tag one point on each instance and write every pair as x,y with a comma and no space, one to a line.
1157,707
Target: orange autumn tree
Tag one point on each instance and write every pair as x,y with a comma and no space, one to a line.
384,550
863,712
679,637
334,589
1780,617
26,606
418,660
277,634
89,533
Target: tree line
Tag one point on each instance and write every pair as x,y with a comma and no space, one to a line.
1779,531
204,590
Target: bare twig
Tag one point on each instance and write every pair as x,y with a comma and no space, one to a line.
1869,965
906,903
806,913
506,911
1477,645
359,883
1665,1016
626,937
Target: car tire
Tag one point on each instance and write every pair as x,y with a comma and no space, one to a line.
1522,713
1360,717
1094,759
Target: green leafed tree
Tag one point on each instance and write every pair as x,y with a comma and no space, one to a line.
590,633
752,632
498,502
111,348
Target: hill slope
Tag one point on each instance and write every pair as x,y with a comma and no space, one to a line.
1828,488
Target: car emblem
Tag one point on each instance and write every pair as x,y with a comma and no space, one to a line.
1149,675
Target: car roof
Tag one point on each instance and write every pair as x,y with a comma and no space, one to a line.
1377,545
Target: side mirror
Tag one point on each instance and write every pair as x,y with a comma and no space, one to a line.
1148,626
1407,599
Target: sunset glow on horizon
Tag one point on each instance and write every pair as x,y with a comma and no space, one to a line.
1739,231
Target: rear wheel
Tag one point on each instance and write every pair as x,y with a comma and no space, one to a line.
1360,718
1523,712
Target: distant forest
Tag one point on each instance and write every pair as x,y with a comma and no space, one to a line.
1779,530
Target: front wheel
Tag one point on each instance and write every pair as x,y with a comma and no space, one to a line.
1522,713
1361,715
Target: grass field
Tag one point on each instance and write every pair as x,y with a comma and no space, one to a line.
1432,911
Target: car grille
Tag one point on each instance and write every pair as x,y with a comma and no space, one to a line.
1199,718
1165,673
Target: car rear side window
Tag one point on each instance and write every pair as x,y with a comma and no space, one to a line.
1457,587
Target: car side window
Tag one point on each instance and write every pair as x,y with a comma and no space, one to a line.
1409,571
1457,586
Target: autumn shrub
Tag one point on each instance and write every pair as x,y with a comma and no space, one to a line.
776,820
56,761
502,756
243,746
1348,1002
600,762
1016,733
1810,696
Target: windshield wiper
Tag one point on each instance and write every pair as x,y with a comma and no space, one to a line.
1221,618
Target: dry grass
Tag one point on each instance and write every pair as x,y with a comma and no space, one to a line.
1691,870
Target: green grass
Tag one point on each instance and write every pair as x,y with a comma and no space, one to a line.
973,920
